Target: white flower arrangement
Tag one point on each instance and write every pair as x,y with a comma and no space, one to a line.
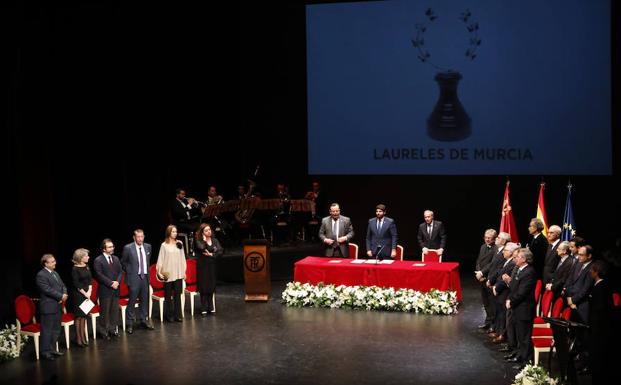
8,343
534,375
298,294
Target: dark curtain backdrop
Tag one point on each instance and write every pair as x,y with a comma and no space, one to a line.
112,105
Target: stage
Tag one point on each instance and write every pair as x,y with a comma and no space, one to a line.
268,343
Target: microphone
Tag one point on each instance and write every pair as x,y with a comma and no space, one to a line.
378,252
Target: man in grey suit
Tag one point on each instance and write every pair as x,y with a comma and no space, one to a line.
381,235
135,260
335,232
53,293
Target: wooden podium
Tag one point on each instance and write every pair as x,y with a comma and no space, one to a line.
257,277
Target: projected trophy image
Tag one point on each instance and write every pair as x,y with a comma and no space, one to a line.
448,121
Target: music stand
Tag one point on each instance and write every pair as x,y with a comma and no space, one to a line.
564,336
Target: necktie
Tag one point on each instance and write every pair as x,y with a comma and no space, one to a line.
54,275
109,260
334,229
429,230
379,225
140,256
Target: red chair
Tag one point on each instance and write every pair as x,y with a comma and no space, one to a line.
557,308
353,251
67,320
616,299
566,314
190,285
156,289
431,256
400,253
94,313
546,306
26,321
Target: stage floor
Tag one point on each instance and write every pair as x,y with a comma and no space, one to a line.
268,343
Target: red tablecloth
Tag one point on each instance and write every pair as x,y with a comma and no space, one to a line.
400,274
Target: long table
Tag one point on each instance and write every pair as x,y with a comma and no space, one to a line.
421,276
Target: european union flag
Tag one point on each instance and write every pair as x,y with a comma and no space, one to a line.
569,224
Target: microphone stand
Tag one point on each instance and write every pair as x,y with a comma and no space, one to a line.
377,254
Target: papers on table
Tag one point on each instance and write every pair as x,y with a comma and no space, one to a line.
335,261
87,305
418,264
373,261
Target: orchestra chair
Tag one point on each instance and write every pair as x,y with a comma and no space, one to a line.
94,313
431,256
26,322
156,291
189,285
66,320
185,238
124,300
353,251
400,253
544,310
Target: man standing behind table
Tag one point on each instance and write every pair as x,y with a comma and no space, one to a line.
135,259
431,234
335,232
53,293
381,239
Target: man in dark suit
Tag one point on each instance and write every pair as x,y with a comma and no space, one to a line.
381,239
601,325
500,292
521,301
186,213
552,258
335,232
53,292
108,274
431,234
562,270
578,287
486,254
135,259
538,245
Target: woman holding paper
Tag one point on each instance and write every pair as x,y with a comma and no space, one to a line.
82,288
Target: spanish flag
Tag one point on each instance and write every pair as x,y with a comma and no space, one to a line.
507,221
541,210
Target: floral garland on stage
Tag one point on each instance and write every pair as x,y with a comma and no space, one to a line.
534,375
8,343
298,294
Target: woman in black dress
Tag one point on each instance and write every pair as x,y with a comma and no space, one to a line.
82,288
207,250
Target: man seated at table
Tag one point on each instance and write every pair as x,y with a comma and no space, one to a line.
381,235
335,232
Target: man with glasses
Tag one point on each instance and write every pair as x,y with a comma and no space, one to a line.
108,274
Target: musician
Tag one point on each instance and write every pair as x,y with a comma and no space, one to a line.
280,223
381,235
312,221
213,198
335,232
186,213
